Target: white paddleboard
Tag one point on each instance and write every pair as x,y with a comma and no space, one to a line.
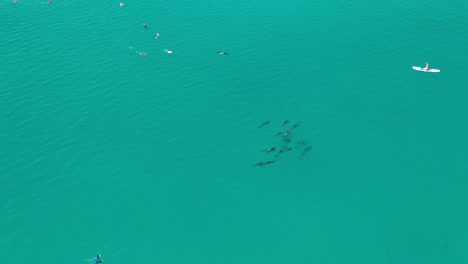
424,70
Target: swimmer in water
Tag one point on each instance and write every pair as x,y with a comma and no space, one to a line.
168,51
279,133
145,25
223,53
48,2
287,133
122,4
427,66
157,35
285,122
15,1
265,123
142,54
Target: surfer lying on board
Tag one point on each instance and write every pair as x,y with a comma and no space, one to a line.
97,259
427,66
223,53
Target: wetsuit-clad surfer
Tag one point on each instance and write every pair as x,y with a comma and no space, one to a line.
285,122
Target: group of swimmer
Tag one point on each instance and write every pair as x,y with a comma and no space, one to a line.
144,25
286,138
48,2
166,50
156,37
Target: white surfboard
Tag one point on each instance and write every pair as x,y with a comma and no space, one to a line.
424,70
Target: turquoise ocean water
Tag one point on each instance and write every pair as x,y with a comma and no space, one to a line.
149,159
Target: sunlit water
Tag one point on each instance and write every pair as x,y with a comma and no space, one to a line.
148,159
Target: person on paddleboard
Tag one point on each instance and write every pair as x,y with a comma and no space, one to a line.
427,66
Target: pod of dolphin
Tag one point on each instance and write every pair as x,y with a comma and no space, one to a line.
285,144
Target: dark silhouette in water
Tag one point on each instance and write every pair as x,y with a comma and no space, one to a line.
285,122
296,125
260,164
309,148
264,123
269,150
301,143
284,149
279,133
223,53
